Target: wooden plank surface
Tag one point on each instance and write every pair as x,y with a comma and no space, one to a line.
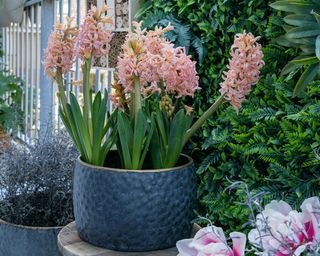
70,244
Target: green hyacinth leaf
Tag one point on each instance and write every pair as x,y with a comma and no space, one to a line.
82,128
176,138
140,128
125,136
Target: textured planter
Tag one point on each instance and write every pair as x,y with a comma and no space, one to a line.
140,210
17,240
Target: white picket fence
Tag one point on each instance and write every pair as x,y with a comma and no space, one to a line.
23,44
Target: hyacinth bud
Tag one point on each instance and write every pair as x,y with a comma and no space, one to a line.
166,104
136,46
117,96
188,109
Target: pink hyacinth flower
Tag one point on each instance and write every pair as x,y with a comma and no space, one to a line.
244,69
59,53
152,60
94,37
211,241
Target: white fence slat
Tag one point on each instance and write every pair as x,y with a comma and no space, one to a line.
27,81
47,22
32,70
37,82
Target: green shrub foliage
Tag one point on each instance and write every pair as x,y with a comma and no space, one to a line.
273,143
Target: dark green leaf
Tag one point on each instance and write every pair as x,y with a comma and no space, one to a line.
308,75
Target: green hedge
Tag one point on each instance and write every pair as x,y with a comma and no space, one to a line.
272,143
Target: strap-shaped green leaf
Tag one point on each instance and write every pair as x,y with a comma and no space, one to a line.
305,31
290,67
147,145
305,61
72,131
106,147
81,128
140,128
308,40
161,127
316,14
308,49
155,146
282,40
308,75
97,127
125,135
176,138
300,20
318,47
299,7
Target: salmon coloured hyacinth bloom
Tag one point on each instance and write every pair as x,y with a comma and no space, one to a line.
59,53
156,64
94,37
244,69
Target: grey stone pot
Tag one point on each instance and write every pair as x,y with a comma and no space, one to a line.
134,210
18,240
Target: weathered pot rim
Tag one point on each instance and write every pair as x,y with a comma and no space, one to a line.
108,169
29,227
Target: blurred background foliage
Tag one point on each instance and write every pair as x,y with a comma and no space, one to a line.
273,143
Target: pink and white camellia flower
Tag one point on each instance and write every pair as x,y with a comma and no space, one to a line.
282,231
211,241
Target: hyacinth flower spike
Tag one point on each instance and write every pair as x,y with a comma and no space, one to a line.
87,125
150,65
243,72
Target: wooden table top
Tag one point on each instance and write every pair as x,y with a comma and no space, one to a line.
70,244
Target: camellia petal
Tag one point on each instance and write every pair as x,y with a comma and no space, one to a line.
184,248
211,241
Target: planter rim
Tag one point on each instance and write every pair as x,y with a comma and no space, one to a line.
29,227
106,169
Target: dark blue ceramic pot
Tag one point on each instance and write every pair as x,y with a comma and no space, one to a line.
134,210
18,240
